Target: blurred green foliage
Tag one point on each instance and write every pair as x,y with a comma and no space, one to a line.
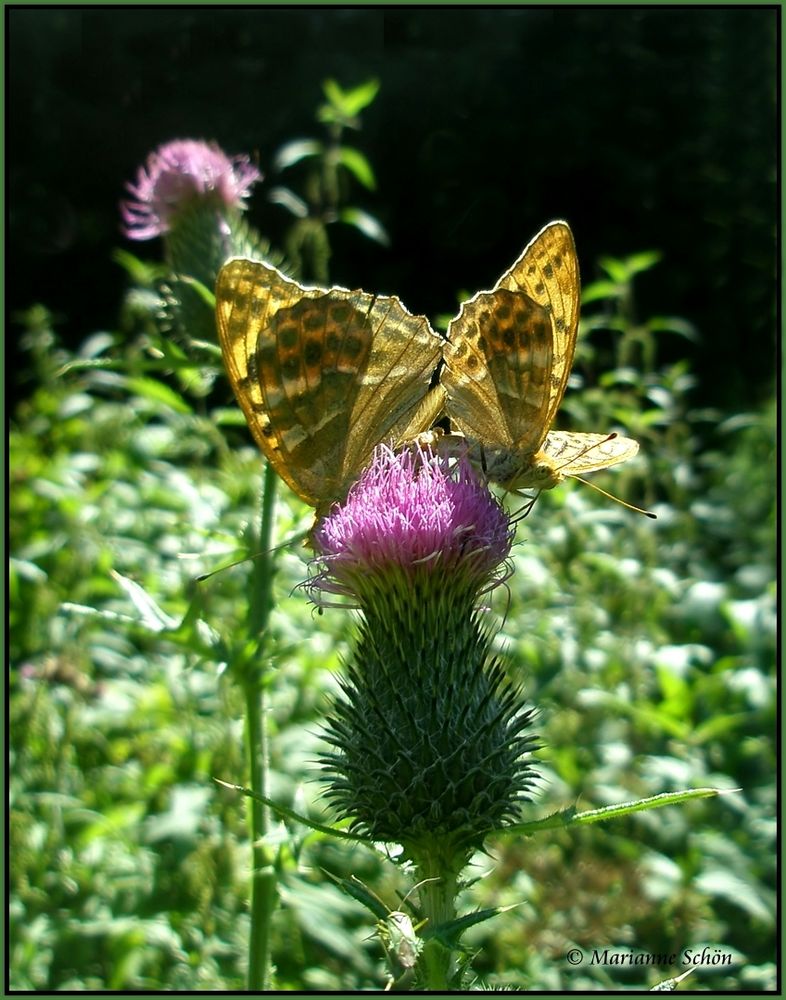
326,167
648,647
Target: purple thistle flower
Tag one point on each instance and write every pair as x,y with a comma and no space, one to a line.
412,515
179,173
428,745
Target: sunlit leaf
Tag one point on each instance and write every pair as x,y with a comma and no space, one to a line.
295,151
365,224
159,392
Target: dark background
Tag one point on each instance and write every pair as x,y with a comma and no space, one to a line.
645,128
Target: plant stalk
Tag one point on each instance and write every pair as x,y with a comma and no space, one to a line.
438,906
263,873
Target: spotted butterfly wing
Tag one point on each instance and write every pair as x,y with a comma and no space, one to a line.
322,376
507,364
575,453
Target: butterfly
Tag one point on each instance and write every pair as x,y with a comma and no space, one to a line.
323,376
508,356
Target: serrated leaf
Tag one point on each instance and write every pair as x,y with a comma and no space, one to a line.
640,805
450,932
569,817
667,985
553,821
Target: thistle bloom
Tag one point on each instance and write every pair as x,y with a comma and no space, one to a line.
428,742
412,515
178,174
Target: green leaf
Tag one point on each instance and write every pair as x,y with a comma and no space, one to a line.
640,805
724,884
353,887
360,97
159,392
357,164
123,817
289,200
554,821
333,92
27,570
623,270
450,932
600,290
615,269
673,324
141,272
153,617
569,817
295,151
365,224
350,102
643,261
718,726
331,831
207,296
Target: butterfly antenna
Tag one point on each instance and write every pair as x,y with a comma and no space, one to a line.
256,555
237,562
610,496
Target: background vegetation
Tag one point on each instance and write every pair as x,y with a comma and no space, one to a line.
644,128
648,647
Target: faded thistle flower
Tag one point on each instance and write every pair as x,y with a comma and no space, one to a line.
428,742
193,195
176,176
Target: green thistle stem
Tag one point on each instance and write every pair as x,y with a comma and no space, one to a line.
263,877
437,906
263,874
